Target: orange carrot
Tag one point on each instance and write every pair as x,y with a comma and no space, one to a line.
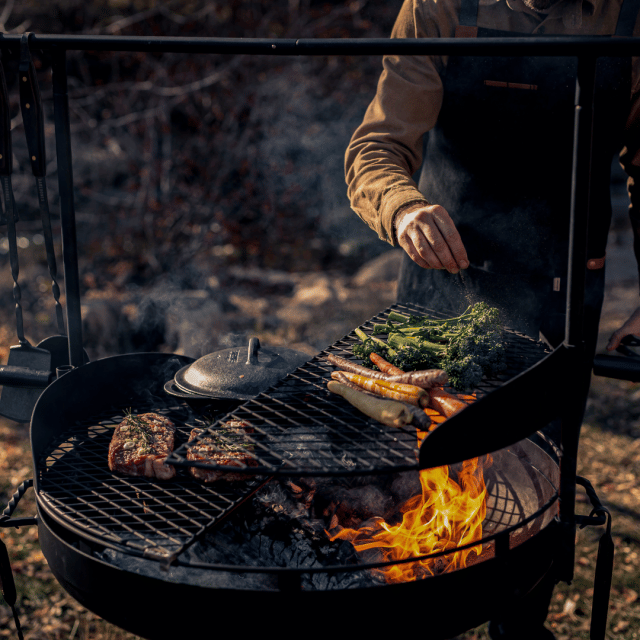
402,392
384,365
445,403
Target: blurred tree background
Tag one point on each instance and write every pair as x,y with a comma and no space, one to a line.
185,164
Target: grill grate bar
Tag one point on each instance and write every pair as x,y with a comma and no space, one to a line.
111,496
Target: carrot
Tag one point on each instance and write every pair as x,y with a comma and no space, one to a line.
402,392
352,367
389,412
445,403
425,378
384,365
342,378
421,420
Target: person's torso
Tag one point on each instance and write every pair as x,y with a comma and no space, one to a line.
500,156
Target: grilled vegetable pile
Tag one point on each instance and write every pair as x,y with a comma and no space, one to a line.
466,348
394,397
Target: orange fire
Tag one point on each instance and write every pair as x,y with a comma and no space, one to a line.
446,514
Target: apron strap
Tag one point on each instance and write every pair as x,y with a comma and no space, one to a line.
468,20
469,13
626,18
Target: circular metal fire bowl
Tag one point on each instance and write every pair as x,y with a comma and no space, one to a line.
156,608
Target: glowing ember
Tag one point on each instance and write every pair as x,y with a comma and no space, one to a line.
447,514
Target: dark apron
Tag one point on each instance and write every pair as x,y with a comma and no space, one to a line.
499,160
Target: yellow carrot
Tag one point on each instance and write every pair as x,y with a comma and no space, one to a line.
394,390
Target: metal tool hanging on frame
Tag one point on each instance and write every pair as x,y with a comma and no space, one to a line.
29,369
33,119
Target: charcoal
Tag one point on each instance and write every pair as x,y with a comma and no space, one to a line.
405,485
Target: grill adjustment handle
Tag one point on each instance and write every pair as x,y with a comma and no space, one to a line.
7,583
15,376
6,154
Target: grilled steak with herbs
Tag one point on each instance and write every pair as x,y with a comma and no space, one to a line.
140,445
229,447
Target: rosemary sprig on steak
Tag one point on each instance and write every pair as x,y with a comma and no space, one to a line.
139,426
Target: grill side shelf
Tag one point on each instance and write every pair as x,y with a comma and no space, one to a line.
300,428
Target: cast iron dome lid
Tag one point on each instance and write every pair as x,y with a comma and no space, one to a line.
240,372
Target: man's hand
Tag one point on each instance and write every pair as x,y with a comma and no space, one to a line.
430,238
630,327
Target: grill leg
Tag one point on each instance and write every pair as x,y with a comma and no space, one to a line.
526,620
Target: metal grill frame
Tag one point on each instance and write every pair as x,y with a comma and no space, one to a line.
151,543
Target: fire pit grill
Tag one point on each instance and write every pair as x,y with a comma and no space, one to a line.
300,429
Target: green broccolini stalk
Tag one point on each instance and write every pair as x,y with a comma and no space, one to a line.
467,347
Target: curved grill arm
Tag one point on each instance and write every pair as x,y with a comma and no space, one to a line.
7,584
6,520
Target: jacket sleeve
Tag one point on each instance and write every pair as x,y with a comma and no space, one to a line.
386,149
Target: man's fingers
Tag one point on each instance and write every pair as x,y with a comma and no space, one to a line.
431,239
419,250
614,340
630,327
452,239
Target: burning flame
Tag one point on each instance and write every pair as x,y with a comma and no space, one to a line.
445,515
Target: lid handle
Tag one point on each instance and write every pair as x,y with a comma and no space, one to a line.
252,355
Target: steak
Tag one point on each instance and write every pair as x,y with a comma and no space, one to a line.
140,445
229,446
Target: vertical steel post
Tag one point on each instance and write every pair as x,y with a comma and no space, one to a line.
574,330
67,210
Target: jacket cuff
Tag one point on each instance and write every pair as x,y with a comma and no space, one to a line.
393,203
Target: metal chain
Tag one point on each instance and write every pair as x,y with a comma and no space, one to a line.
51,254
9,207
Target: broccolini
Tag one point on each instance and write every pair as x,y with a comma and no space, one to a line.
467,347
